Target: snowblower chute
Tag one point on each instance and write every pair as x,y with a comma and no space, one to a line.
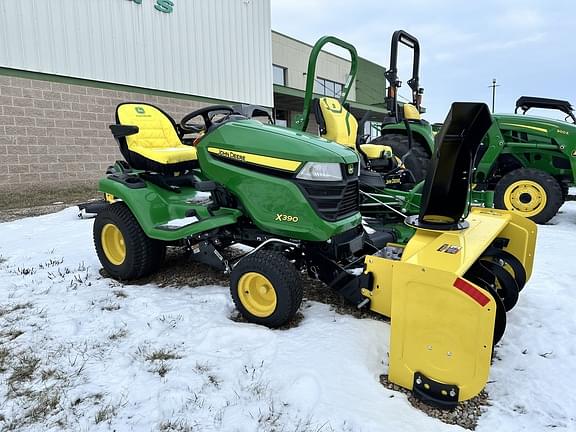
446,289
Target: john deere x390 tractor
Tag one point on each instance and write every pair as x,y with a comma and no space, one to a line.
218,178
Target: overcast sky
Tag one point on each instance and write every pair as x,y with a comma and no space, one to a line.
527,45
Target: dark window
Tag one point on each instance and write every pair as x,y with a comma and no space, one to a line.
281,117
328,88
279,75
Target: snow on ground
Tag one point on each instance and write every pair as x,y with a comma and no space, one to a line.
81,352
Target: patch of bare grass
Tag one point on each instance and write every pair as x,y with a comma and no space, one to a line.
118,334
24,370
163,355
8,309
105,413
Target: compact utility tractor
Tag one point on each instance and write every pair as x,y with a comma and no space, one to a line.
526,164
218,178
529,162
394,132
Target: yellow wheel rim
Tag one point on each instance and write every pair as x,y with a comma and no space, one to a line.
526,197
257,294
113,244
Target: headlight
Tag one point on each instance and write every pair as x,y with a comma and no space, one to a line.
319,171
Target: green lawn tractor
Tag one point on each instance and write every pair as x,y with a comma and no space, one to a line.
218,178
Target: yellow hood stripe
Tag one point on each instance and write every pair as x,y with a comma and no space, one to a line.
527,127
265,161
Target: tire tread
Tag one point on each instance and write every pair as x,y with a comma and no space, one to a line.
144,255
285,276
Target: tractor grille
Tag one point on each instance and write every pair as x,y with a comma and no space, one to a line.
332,201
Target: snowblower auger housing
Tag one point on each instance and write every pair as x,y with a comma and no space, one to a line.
445,318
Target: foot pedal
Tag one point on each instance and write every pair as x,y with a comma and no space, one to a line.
205,186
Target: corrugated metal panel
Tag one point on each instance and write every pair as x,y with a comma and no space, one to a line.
218,48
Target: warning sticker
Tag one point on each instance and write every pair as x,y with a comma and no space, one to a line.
449,249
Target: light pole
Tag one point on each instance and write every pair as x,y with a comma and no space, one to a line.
493,86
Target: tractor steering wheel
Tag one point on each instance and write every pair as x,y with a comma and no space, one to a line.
207,113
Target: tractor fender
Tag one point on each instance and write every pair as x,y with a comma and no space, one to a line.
162,214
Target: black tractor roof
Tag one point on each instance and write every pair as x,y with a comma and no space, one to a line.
527,102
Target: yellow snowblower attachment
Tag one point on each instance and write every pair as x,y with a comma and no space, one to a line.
448,290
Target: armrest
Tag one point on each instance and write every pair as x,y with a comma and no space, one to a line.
121,131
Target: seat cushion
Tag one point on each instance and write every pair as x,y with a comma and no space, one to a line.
169,155
376,151
157,139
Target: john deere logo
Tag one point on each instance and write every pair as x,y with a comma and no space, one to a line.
350,169
574,153
140,110
232,155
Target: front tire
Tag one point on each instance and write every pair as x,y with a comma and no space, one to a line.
529,192
266,288
124,250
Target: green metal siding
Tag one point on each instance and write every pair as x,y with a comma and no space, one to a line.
370,83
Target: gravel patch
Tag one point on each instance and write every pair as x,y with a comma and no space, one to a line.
466,414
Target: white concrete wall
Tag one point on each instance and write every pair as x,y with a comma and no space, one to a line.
293,55
217,48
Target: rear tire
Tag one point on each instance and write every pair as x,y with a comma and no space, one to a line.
418,160
124,250
266,288
529,192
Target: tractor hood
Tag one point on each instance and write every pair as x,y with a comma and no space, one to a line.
535,125
251,136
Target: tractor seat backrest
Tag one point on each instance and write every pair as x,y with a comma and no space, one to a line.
411,112
335,122
153,143
156,129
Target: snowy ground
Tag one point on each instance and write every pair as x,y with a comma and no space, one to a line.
80,352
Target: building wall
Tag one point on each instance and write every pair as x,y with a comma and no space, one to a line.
218,48
370,83
293,55
55,134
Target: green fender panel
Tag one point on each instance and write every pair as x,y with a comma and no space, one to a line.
153,207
